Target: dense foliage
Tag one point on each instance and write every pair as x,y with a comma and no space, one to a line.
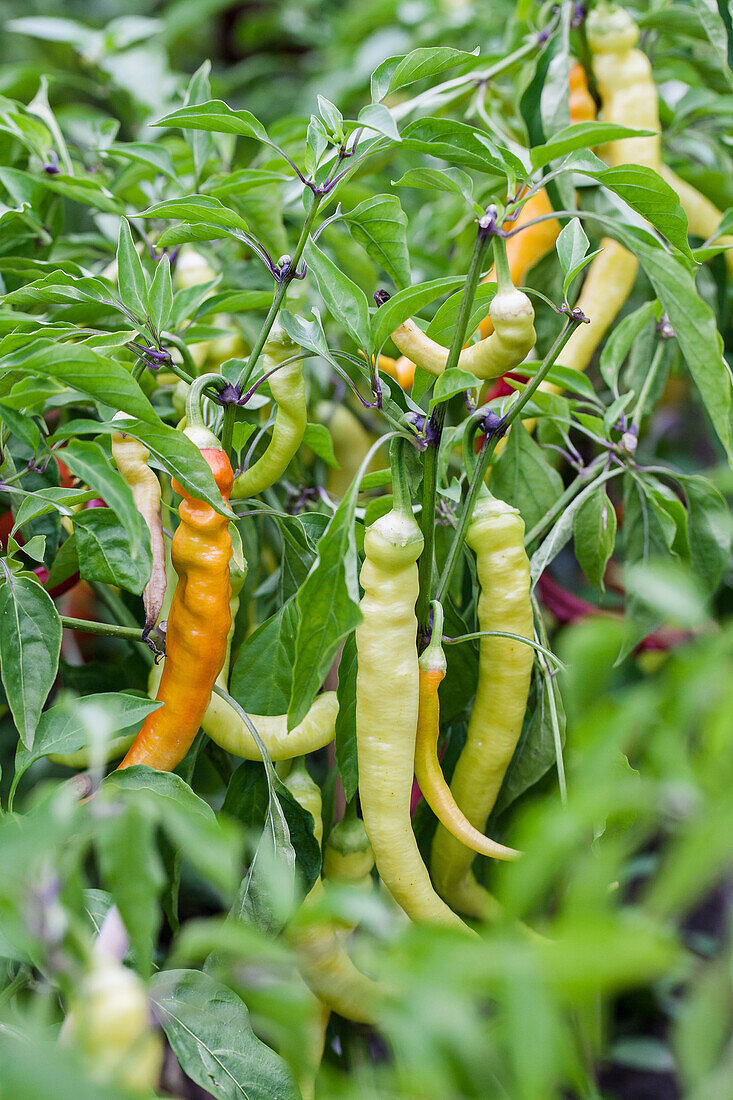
335,170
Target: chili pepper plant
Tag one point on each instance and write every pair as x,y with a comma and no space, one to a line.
365,587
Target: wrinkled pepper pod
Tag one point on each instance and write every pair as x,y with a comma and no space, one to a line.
387,701
199,619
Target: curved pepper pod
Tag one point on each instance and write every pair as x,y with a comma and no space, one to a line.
386,712
427,766
226,729
323,959
198,626
496,535
513,338
288,391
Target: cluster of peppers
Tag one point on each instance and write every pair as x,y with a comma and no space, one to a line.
397,708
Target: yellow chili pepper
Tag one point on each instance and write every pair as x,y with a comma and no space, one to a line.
427,766
496,535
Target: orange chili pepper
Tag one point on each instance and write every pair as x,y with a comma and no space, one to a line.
199,619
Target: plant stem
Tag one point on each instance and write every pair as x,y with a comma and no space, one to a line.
401,498
491,438
277,301
435,431
547,675
108,629
578,483
177,342
547,363
121,612
475,634
477,480
648,382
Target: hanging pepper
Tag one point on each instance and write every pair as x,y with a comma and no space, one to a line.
511,341
527,248
387,700
496,535
199,620
348,855
351,441
224,725
427,766
323,960
607,285
288,391
629,97
581,103
132,457
110,1024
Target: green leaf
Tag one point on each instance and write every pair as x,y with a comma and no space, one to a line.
563,529
212,847
693,323
581,135
90,721
200,143
398,72
452,382
648,534
132,871
536,751
572,245
83,369
407,302
451,180
455,142
710,530
346,757
380,225
241,181
262,673
130,275
155,156
652,197
86,191
523,477
345,300
30,644
23,427
218,118
208,1027
327,603
247,800
62,288
377,117
620,342
197,209
160,298
318,438
594,530
104,552
89,462
444,321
